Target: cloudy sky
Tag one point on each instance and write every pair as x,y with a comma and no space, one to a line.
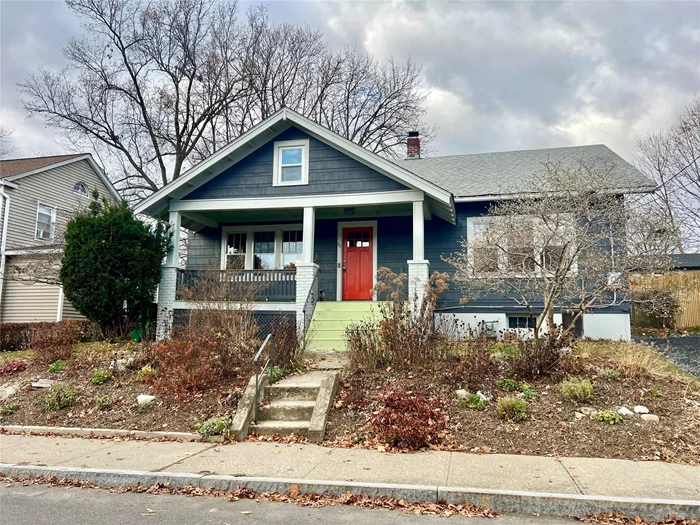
501,75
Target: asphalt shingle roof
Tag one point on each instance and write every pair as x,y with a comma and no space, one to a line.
500,173
11,167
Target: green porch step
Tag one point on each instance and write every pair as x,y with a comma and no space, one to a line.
330,319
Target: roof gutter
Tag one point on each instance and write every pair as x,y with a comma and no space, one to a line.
534,195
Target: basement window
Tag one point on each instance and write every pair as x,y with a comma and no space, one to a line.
291,163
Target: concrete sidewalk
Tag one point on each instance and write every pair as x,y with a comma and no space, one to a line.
576,476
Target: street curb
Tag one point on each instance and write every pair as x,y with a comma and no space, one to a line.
499,500
106,432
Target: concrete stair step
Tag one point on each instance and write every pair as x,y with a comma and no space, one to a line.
296,392
287,410
269,428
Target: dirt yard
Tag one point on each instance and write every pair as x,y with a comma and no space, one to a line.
554,425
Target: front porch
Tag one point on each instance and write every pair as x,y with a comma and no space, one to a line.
279,255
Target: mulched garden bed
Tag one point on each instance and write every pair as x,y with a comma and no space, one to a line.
551,427
113,404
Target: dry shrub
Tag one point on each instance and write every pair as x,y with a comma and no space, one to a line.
409,421
289,347
187,365
18,336
55,341
11,366
475,367
541,357
222,314
405,335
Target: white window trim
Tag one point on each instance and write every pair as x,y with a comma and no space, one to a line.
339,254
87,190
502,263
277,162
53,222
249,231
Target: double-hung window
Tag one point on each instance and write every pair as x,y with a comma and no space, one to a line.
45,222
262,247
291,163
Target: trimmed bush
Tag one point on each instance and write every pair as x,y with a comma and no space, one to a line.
61,396
101,376
11,366
576,390
54,341
512,408
409,421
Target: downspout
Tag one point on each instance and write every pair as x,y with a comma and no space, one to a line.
3,241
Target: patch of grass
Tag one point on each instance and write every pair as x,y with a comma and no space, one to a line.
609,374
214,426
61,396
58,366
101,376
512,408
576,390
8,410
505,350
473,401
16,354
610,416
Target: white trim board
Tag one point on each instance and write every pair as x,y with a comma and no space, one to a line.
296,201
339,254
156,203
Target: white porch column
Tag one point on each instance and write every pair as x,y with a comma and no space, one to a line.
307,272
307,255
418,268
168,279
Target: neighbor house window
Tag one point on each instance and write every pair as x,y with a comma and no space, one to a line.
45,221
292,245
291,163
519,321
521,249
80,188
264,250
236,250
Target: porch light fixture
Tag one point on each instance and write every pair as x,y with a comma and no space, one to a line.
349,211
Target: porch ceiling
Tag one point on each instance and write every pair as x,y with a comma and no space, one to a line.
196,221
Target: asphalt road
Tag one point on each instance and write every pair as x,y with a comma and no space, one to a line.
683,351
42,505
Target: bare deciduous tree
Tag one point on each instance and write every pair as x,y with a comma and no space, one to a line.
6,147
155,86
560,244
672,158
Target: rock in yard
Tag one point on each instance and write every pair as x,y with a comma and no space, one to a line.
650,418
579,415
461,394
145,399
7,391
641,409
484,396
588,411
624,411
42,383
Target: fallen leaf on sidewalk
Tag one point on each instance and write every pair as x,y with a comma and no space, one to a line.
246,512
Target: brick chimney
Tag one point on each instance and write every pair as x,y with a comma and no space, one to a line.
413,145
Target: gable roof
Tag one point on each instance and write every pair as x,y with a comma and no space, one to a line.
156,204
14,169
484,176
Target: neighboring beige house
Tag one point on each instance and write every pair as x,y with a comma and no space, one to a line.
37,198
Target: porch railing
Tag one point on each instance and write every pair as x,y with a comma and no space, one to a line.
236,285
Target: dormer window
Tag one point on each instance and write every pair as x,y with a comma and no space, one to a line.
291,163
81,189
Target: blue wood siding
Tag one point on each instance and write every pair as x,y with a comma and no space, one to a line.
394,249
330,172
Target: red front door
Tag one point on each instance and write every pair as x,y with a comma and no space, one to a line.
358,264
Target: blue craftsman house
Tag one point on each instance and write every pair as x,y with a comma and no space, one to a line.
313,215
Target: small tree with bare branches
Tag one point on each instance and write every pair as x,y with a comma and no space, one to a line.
559,244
